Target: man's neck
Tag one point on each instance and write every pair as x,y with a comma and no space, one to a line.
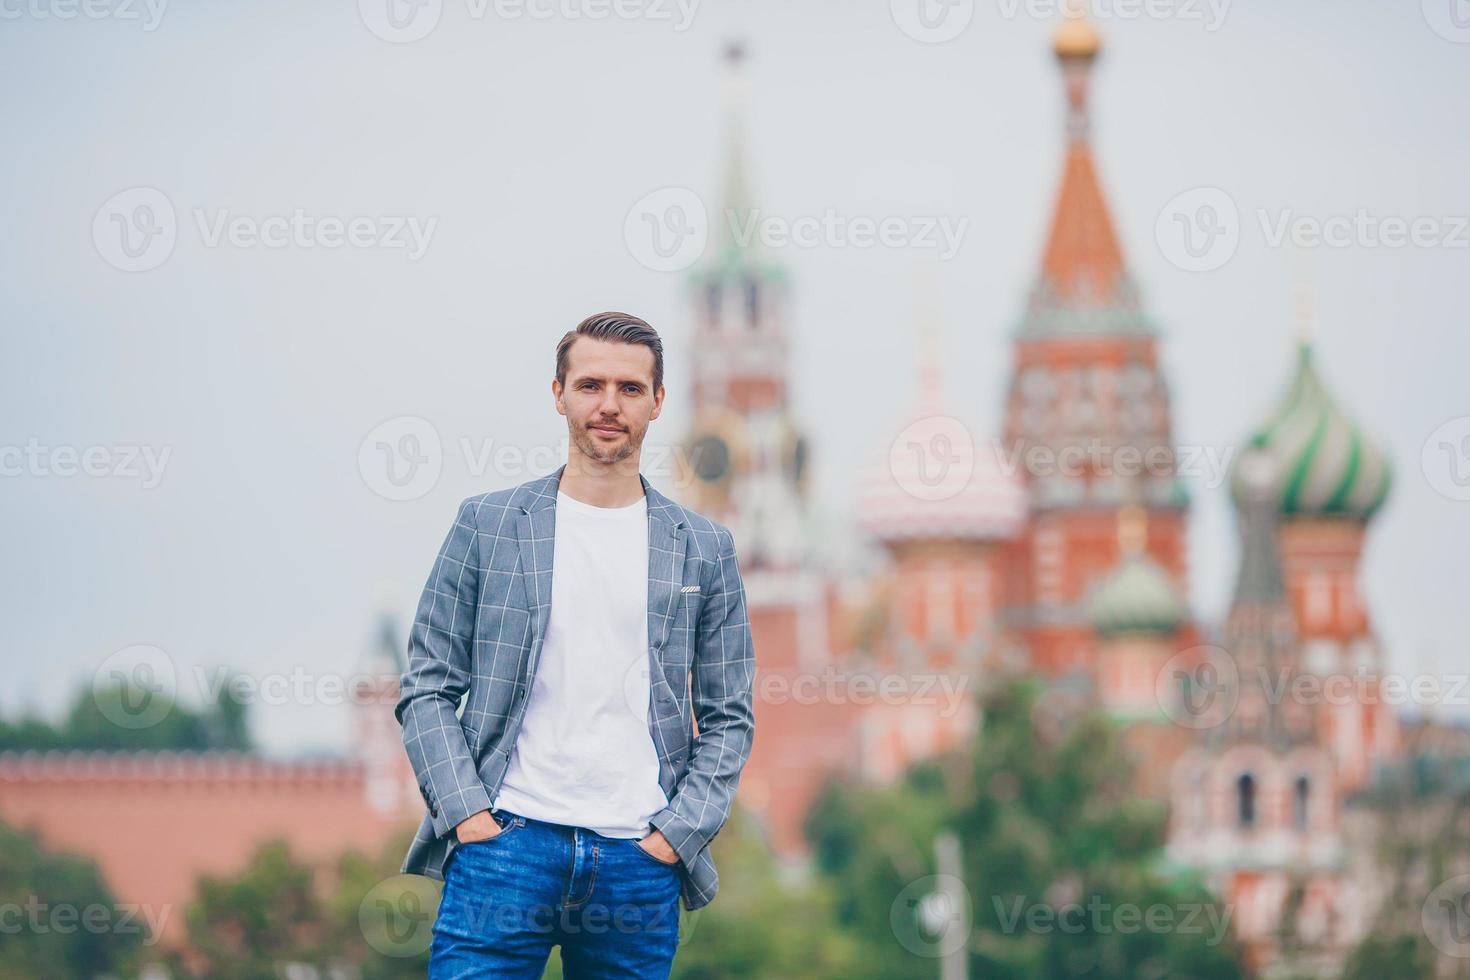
602,484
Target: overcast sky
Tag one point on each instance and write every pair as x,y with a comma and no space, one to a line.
517,146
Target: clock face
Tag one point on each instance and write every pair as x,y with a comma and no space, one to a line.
711,458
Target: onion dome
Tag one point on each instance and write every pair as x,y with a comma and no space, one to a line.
1138,596
1318,461
939,484
937,478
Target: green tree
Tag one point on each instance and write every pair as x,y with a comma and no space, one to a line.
89,724
1420,815
758,926
1061,859
57,916
245,927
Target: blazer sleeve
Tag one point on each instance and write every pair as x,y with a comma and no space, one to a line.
724,674
440,659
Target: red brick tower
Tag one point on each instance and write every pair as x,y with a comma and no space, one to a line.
748,470
1087,413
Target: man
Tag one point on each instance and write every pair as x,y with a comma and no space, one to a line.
570,803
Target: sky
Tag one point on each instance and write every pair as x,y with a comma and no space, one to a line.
222,389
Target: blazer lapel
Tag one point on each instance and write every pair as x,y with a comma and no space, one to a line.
666,545
536,537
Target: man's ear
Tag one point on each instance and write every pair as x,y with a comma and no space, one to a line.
556,394
658,403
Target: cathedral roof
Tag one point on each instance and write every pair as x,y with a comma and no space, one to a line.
1136,598
904,496
1083,286
1319,461
1083,262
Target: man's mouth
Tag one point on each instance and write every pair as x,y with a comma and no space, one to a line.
611,430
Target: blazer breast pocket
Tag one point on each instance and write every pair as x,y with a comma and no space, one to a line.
686,612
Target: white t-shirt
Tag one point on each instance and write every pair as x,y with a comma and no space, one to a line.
584,756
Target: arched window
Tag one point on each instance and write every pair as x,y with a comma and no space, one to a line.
1299,802
1245,794
752,303
712,301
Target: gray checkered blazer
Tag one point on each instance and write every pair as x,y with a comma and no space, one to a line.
477,635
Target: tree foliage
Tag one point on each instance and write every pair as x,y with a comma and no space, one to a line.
1061,860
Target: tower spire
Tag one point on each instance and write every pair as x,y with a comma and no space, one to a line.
926,322
1304,296
736,193
1083,261
1077,44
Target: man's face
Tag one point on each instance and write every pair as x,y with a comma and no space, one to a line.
608,398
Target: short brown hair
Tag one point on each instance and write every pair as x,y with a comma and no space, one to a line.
620,327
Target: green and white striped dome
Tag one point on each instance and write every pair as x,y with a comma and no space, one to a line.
1318,460
1136,598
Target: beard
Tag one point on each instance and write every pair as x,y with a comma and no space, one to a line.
592,447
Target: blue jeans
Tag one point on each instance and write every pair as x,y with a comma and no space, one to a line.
611,906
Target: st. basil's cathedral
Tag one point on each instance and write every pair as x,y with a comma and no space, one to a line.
1074,575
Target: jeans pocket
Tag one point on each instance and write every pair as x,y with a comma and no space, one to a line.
634,843
508,824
